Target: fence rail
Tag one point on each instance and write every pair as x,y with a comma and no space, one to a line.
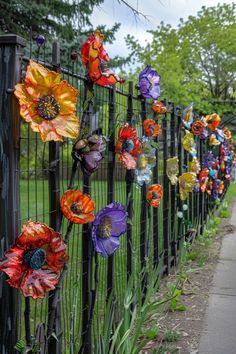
40,172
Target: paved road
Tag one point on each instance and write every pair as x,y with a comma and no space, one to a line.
219,333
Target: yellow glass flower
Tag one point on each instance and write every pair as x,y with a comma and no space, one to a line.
48,104
194,165
172,169
186,184
213,140
189,143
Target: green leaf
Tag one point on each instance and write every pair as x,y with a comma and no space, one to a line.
155,145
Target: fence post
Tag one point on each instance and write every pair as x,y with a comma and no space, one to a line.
143,219
165,196
111,177
11,50
54,345
129,177
173,187
179,202
156,248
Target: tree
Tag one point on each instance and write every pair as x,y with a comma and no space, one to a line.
197,61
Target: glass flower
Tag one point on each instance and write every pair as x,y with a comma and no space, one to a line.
196,188
203,179
95,58
77,207
89,152
151,128
204,134
34,261
221,186
154,195
189,143
187,116
227,133
128,146
213,121
149,83
219,135
186,184
194,165
185,207
48,104
159,107
209,187
208,159
213,140
198,127
108,225
172,169
143,176
180,215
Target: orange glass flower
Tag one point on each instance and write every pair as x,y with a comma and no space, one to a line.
34,262
77,207
186,184
209,187
158,107
197,127
227,133
95,58
154,195
151,128
221,187
203,179
213,121
48,104
128,146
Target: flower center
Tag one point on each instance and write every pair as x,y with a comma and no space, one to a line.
154,195
77,208
35,258
128,145
48,107
105,228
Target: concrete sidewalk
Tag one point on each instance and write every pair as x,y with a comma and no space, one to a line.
219,332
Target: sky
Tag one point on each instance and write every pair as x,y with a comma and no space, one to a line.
168,11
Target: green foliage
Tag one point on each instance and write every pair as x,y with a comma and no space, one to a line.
224,210
175,294
171,336
197,60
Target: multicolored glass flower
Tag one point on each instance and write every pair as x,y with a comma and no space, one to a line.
213,140
172,169
109,224
77,207
213,121
151,128
158,107
128,146
48,104
189,143
34,262
149,83
227,133
186,184
187,116
197,127
89,152
95,58
154,195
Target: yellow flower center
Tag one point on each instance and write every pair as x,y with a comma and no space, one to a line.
105,228
48,107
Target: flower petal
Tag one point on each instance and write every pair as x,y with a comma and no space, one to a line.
66,96
67,126
107,246
48,132
34,234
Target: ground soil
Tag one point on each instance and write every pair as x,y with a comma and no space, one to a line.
195,292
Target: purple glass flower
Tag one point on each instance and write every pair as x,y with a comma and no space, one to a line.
40,39
208,159
108,225
89,152
149,83
204,134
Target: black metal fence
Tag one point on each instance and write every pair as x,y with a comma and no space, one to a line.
33,176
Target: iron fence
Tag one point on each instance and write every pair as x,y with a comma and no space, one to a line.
34,175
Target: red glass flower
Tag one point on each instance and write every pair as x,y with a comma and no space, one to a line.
151,128
213,121
95,58
77,207
203,179
154,195
33,263
128,146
